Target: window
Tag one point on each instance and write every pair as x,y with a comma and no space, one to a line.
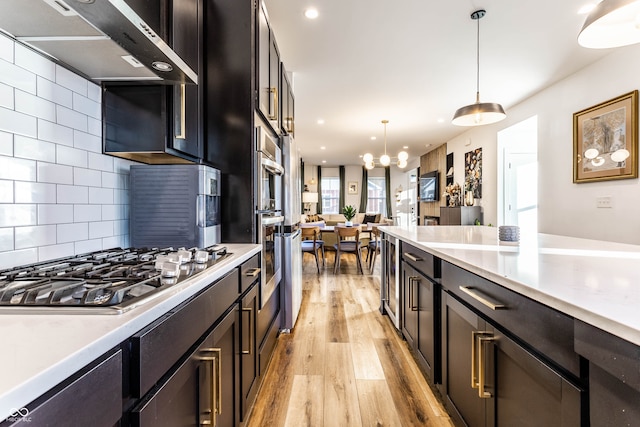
376,195
330,195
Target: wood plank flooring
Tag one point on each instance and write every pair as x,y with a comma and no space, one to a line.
344,364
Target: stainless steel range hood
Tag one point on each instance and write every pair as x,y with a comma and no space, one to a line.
104,40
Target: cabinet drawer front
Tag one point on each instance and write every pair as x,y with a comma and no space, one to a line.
547,331
158,346
421,261
249,272
618,357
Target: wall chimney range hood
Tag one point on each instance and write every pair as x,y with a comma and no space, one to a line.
104,40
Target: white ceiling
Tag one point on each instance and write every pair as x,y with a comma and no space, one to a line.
414,62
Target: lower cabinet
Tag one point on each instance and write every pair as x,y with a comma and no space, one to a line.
249,373
489,379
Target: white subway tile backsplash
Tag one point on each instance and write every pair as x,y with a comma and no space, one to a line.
6,48
70,118
86,106
14,258
6,144
17,77
35,192
100,162
55,251
55,214
34,62
33,149
71,80
100,196
109,212
18,169
72,194
72,232
6,191
94,92
87,246
100,229
94,126
120,197
6,96
71,157
120,227
87,141
115,242
17,215
31,237
87,177
55,174
86,213
35,106
48,131
55,93
110,180
16,122
6,239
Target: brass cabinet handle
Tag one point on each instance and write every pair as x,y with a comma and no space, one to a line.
250,310
475,335
183,113
482,375
485,300
216,384
413,280
252,272
274,92
412,257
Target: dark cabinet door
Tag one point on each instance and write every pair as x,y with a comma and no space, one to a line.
426,344
410,302
274,84
263,68
201,391
248,348
490,380
286,103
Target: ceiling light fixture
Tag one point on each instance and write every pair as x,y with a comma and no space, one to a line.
385,160
311,13
612,23
478,113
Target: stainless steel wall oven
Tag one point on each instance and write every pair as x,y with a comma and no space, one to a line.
269,209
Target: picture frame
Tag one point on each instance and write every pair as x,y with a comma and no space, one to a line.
605,140
352,187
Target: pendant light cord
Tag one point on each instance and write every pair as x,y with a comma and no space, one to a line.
478,62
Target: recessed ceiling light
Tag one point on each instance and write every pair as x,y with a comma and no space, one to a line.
323,148
373,138
405,147
441,120
311,13
324,161
320,121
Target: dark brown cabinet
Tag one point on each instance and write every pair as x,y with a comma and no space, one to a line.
460,215
287,104
268,70
250,374
492,374
160,123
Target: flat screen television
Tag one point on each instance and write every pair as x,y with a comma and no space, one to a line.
429,189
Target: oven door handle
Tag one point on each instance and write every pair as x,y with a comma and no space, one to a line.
270,220
272,166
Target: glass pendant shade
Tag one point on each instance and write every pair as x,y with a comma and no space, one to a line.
368,158
385,160
611,23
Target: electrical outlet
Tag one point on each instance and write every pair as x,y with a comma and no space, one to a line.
603,202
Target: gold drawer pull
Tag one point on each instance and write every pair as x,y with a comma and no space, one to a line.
485,300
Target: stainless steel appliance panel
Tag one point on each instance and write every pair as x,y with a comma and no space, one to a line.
270,169
390,277
292,278
269,229
175,205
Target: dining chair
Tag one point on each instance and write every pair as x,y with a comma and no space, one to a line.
312,244
348,242
373,247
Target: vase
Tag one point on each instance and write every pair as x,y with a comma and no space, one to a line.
469,200
348,223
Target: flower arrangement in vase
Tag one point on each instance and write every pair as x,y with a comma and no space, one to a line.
349,212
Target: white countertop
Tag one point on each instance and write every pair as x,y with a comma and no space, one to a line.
595,281
41,350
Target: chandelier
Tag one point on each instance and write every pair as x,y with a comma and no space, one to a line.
385,160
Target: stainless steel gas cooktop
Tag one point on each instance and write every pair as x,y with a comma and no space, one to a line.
111,281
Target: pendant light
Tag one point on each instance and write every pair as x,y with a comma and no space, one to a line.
480,113
612,23
385,160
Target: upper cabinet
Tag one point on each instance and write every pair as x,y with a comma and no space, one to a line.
287,115
268,69
160,124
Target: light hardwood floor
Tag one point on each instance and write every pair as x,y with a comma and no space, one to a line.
343,364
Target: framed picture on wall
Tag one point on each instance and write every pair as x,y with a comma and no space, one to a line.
605,140
352,187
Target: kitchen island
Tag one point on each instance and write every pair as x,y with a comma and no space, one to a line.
42,350
549,310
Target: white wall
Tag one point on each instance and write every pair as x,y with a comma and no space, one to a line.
59,195
564,207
